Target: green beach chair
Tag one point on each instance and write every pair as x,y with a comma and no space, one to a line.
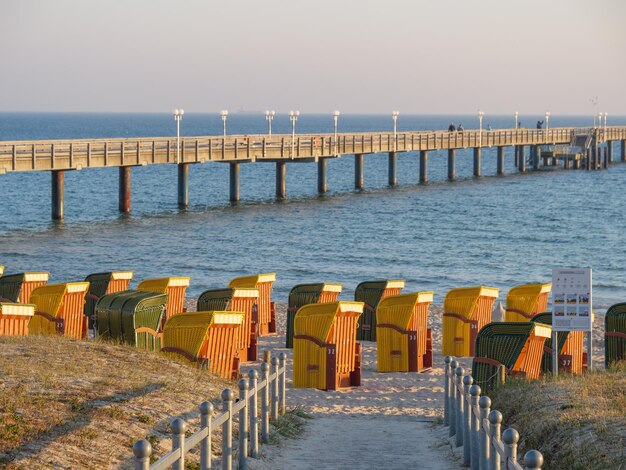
508,348
132,317
615,334
101,284
371,293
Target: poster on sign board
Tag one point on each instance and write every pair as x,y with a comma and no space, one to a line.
571,299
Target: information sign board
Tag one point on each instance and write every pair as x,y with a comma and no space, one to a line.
571,299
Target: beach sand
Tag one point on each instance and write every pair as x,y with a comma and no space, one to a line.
391,421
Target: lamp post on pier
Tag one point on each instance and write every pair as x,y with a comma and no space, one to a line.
178,116
269,117
293,117
480,123
599,120
224,114
395,115
336,118
547,121
516,116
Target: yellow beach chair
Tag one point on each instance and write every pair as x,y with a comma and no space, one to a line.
18,287
208,338
326,354
174,287
525,301
14,318
236,300
267,308
60,310
465,311
404,341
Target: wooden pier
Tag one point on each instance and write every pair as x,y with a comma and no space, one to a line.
58,156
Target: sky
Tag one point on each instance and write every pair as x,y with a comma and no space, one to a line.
357,56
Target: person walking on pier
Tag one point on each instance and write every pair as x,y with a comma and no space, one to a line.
451,127
539,124
460,128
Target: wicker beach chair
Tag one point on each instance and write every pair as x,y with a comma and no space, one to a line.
465,311
174,287
404,341
60,309
236,300
18,287
304,294
101,284
525,301
508,348
615,334
571,356
132,317
1,270
371,293
208,338
14,318
267,308
326,354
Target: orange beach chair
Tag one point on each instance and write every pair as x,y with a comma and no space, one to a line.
525,301
60,310
14,318
267,308
174,287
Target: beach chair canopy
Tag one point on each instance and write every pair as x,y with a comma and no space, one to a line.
570,348
174,287
402,338
511,348
615,334
465,311
325,348
205,337
14,318
238,299
267,310
304,294
18,287
371,293
525,301
60,309
132,316
101,284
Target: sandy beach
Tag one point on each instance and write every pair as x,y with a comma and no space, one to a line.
391,421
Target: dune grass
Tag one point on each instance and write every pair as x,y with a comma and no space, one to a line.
576,422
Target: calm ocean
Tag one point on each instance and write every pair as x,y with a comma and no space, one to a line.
491,230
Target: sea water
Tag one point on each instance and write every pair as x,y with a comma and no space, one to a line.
494,231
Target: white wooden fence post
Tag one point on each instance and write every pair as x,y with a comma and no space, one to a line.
243,425
142,451
179,427
282,360
253,376
275,388
227,430
453,366
459,406
446,385
485,408
467,420
265,403
533,460
495,421
510,437
206,413
473,441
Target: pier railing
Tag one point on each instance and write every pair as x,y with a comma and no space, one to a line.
477,428
271,391
75,154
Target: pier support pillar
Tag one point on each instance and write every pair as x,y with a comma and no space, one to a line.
322,165
521,158
392,169
516,149
183,185
281,180
500,170
358,171
58,194
234,181
536,151
477,161
423,166
609,148
605,161
577,164
589,158
623,151
451,164
566,163
596,156
124,189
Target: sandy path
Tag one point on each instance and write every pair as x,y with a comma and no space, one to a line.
387,422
